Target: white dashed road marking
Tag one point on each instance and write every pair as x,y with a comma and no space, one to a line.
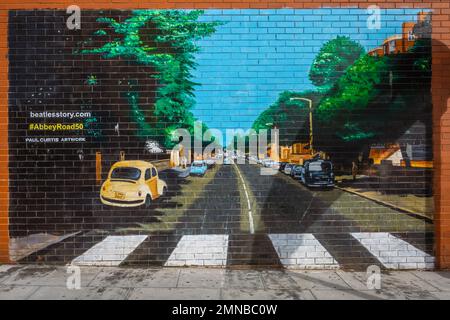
303,251
394,253
250,214
200,250
112,251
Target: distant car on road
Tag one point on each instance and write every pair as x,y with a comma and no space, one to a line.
210,163
275,165
198,168
296,172
268,163
288,168
317,173
253,159
132,184
282,166
228,161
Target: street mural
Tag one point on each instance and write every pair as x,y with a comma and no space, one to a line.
284,138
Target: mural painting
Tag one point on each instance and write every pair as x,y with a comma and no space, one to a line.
284,138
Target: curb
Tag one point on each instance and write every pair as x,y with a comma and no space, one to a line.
390,205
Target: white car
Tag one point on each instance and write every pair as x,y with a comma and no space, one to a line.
275,165
210,162
268,163
288,168
227,161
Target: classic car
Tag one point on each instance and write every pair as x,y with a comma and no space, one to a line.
198,168
132,184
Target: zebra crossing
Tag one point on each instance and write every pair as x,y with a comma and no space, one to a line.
202,250
110,252
302,251
295,251
393,252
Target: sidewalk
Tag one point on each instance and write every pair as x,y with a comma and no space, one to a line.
419,206
44,282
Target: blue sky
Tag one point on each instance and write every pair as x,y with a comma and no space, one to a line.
257,54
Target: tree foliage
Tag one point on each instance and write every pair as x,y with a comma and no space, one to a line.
290,117
365,102
333,59
346,103
165,41
374,92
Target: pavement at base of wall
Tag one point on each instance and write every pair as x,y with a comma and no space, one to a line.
34,282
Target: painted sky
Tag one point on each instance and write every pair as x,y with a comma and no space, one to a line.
257,54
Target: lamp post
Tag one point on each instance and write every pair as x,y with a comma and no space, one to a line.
311,137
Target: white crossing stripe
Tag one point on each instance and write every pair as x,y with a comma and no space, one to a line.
394,253
200,250
112,251
302,251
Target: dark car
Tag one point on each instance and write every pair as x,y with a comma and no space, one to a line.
296,171
317,173
282,166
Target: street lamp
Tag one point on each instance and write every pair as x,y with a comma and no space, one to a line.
311,139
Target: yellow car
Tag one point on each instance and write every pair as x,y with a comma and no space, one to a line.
132,184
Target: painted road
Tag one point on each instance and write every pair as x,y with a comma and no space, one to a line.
236,216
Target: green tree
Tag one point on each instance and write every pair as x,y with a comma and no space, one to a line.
290,117
345,105
166,41
333,59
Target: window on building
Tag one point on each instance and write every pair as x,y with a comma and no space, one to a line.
391,46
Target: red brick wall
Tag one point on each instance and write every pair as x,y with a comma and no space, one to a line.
440,87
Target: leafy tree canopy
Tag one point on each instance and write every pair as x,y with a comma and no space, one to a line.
164,40
333,59
290,117
350,97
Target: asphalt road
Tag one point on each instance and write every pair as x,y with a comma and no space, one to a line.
283,205
237,201
241,202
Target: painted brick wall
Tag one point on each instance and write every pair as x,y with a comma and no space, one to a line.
243,68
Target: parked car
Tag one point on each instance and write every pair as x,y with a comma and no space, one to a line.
318,173
282,166
275,165
198,168
268,163
210,163
132,184
288,168
296,171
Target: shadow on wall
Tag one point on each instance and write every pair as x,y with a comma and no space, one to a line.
332,215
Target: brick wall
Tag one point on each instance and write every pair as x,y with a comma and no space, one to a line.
44,205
